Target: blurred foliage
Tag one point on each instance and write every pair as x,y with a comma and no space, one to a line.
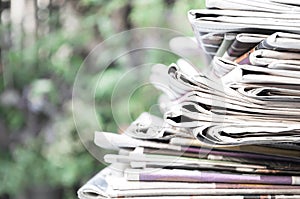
39,143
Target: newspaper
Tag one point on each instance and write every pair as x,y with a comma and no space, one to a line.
107,184
146,167
231,130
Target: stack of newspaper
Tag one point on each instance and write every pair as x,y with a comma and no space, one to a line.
156,159
232,132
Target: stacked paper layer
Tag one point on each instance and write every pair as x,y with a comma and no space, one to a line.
256,62
156,160
232,132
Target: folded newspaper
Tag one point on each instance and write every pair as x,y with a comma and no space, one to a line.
230,131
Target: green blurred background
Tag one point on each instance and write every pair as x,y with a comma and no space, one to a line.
43,44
